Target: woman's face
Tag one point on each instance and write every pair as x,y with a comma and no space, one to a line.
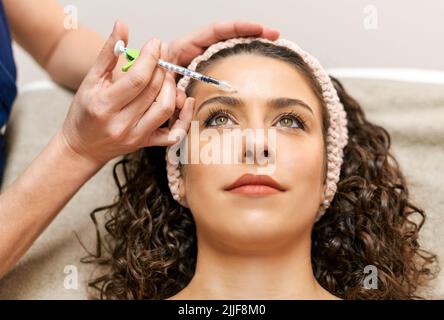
270,95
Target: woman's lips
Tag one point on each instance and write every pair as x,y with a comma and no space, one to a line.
255,190
250,184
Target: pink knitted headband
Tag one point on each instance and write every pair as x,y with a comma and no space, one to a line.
337,134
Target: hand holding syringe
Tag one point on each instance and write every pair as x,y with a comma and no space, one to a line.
132,54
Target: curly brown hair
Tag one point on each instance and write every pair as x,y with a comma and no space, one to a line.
370,222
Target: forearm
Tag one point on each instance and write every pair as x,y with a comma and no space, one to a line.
73,56
30,203
39,27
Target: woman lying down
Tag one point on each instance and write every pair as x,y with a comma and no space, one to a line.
315,208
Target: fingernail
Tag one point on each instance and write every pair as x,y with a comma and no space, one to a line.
165,48
192,102
155,42
115,26
274,30
153,46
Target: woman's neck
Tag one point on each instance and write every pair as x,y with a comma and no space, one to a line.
282,273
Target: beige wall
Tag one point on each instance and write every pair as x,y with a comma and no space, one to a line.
408,34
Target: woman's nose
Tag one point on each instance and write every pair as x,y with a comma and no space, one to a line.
258,146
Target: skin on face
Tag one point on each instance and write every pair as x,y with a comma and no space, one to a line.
258,223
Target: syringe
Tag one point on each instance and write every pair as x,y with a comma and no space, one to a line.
132,54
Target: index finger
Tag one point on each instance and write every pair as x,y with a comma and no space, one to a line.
128,87
232,29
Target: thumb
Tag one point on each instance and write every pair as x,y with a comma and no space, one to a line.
106,60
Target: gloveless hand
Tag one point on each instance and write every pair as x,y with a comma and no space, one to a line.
108,118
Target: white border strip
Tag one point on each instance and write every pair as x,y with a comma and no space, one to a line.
401,74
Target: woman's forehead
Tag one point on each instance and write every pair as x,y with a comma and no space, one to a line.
257,77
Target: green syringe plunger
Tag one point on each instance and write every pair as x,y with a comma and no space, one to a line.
130,54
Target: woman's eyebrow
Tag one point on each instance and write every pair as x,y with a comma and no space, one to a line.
274,103
288,102
226,100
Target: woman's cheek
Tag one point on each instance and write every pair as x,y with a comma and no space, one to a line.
300,159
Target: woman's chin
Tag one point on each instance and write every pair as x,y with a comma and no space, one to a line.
255,231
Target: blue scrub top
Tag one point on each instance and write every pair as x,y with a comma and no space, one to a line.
8,77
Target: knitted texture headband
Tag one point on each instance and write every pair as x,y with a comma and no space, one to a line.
337,134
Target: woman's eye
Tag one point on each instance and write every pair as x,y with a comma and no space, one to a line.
289,122
220,120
